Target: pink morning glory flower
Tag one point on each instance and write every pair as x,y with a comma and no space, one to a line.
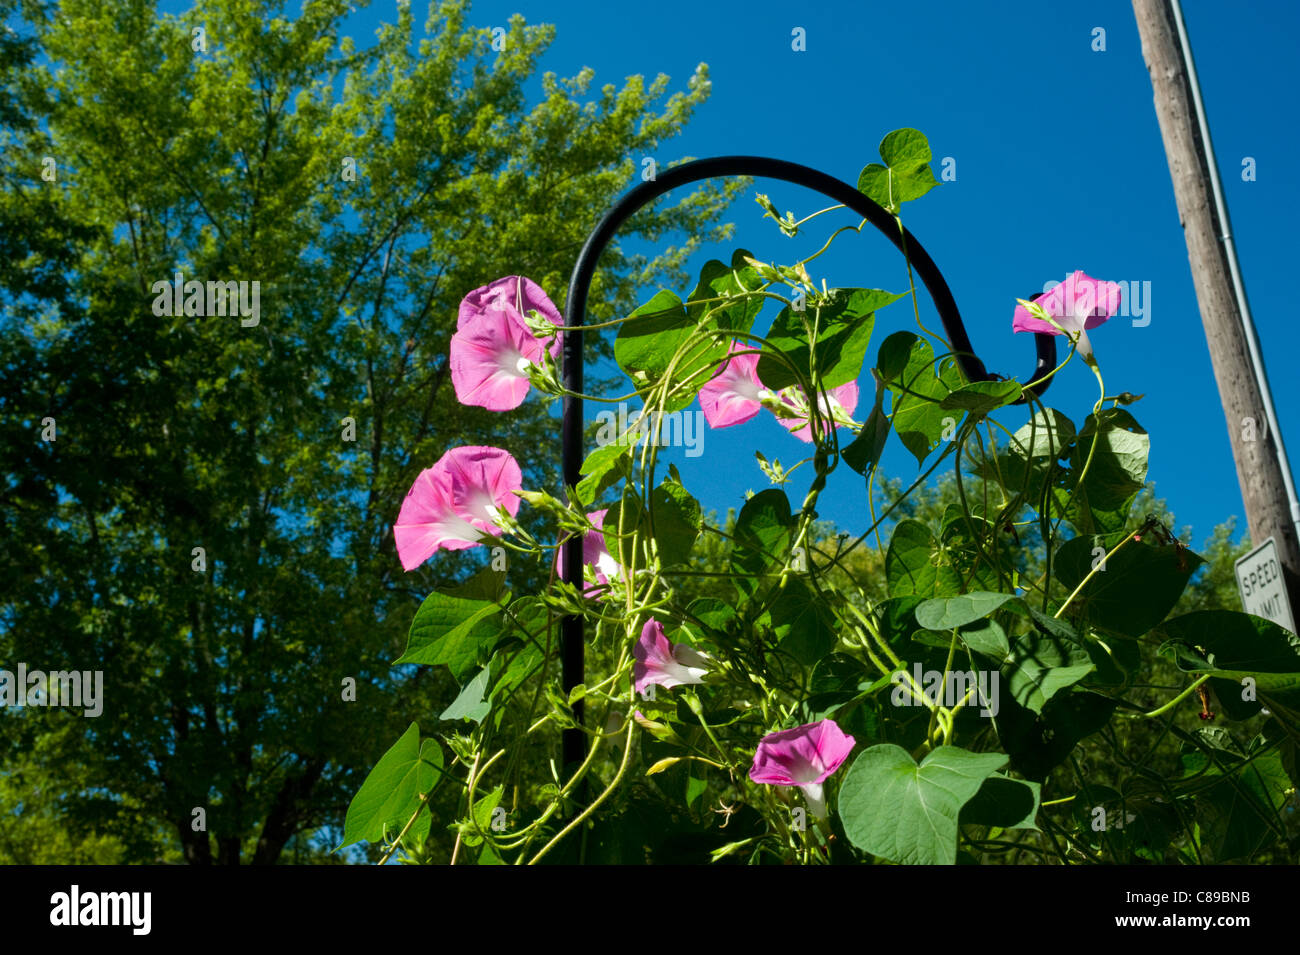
494,348
735,394
659,660
595,554
836,406
805,757
1077,304
457,503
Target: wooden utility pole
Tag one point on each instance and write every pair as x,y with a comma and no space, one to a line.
1252,427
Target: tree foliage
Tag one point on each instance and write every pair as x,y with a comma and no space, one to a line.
366,189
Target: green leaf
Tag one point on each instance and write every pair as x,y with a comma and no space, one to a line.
647,341
1048,434
987,637
675,516
1039,742
938,639
1117,661
1229,695
1005,803
803,624
484,807
454,631
864,452
1234,818
1141,583
906,813
676,523
906,174
981,397
694,789
838,674
431,753
418,834
843,325
525,662
906,365
1100,505
718,279
1061,630
621,548
894,356
1236,645
486,584
896,618
471,704
836,681
959,534
1032,457
915,563
391,792
603,467
1239,815
945,613
737,317
712,612
762,534
652,335
1042,665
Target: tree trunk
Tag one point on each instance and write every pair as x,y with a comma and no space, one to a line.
286,814
195,845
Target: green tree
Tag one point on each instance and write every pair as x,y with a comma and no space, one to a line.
366,190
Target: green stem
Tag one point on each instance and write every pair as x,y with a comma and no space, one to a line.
581,817
424,801
1175,701
1101,565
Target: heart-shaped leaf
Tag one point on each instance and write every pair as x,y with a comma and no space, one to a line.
390,793
906,174
908,813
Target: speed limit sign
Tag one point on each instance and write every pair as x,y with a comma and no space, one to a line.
1262,586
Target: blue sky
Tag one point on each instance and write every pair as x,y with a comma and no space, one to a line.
1059,164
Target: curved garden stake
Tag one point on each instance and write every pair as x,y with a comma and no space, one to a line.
571,652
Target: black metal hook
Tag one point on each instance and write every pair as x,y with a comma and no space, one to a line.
571,654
